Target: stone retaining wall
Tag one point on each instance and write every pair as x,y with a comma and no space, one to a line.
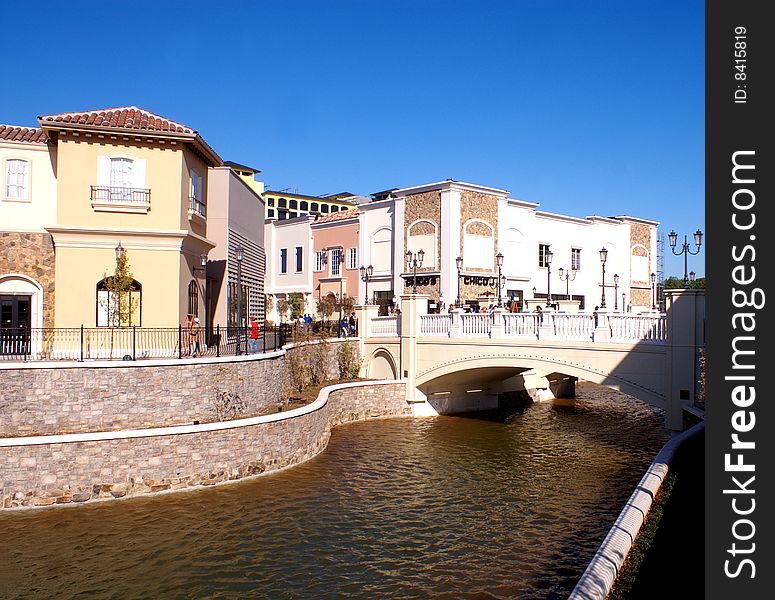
42,471
56,398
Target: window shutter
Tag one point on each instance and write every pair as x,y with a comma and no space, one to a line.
103,171
139,174
22,178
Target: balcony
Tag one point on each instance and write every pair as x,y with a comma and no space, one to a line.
196,207
120,199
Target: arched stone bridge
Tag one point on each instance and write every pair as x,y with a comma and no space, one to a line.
458,362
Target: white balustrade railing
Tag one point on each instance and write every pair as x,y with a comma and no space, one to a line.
629,328
384,326
573,326
478,324
521,324
435,325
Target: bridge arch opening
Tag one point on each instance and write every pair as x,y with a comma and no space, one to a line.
382,366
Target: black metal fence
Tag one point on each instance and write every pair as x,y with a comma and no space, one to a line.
137,343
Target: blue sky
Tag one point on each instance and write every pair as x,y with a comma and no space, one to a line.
584,107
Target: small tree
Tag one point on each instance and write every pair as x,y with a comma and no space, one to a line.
268,305
349,360
282,307
327,306
347,305
119,304
295,305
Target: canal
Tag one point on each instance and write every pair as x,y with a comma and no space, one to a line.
507,504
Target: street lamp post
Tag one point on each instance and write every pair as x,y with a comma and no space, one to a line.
623,304
567,278
616,292
366,273
654,291
459,263
414,260
238,253
691,278
548,258
685,250
499,261
603,258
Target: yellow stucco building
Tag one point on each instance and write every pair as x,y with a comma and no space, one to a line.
127,178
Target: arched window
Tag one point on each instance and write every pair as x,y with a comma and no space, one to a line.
381,250
303,205
422,235
334,208
17,179
193,298
479,245
324,208
293,204
282,203
639,264
118,307
315,207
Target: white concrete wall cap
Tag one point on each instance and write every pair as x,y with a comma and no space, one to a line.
96,436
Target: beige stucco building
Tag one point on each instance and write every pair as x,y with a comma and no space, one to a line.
128,176
28,195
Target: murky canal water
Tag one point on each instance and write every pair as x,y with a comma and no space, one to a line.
496,505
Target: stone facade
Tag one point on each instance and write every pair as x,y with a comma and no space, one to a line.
424,206
640,297
79,471
476,205
31,254
78,398
640,242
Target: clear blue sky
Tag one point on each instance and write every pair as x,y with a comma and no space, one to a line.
584,107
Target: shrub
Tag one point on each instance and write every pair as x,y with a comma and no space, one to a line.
349,360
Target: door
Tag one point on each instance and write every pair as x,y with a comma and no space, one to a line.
14,324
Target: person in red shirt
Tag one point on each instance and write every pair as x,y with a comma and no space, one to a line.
254,333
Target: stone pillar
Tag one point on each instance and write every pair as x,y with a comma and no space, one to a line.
498,329
412,307
602,332
546,327
685,337
364,313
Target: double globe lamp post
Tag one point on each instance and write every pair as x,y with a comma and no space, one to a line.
685,250
366,273
414,261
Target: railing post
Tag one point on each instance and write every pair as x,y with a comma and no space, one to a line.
134,342
265,332
456,327
497,328
180,341
218,340
81,349
24,342
602,332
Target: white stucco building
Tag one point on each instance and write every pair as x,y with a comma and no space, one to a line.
452,219
289,246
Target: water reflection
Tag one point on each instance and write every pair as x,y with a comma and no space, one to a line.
497,505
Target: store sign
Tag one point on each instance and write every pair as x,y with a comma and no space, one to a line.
421,280
479,280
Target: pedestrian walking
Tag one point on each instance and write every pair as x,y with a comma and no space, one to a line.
353,325
253,338
196,331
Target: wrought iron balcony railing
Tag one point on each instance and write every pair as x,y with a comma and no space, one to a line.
103,195
196,206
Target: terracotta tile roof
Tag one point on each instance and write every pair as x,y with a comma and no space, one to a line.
342,215
124,117
13,133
